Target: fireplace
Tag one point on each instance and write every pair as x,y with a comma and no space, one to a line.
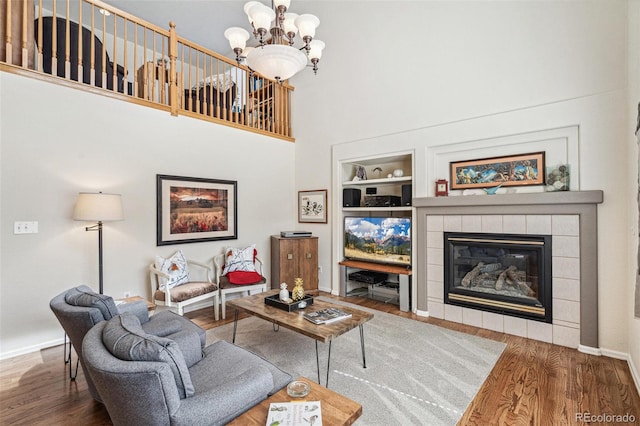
506,274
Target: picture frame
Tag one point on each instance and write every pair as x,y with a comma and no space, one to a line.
510,170
312,206
192,209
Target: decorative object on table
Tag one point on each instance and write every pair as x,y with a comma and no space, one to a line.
284,293
493,190
312,206
378,170
327,316
558,178
442,188
398,173
98,207
192,209
298,389
511,170
274,300
298,290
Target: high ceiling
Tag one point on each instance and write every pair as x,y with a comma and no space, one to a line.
200,21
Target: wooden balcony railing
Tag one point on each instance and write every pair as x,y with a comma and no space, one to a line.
92,45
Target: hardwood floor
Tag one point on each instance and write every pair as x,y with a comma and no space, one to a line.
533,383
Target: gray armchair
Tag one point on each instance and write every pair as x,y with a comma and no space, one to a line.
144,379
80,309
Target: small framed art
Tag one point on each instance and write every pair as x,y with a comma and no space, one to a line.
312,206
191,209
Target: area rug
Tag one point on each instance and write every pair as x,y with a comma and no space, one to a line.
417,373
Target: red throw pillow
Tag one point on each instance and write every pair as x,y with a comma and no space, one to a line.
244,277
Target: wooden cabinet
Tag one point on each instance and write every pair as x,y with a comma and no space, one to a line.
293,258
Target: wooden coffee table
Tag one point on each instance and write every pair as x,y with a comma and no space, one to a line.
336,409
255,306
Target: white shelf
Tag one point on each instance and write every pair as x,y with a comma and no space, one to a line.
377,181
377,209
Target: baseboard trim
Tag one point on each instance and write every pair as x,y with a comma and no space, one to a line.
634,373
422,313
615,354
589,350
31,349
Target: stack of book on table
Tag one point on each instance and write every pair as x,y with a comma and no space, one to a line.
326,316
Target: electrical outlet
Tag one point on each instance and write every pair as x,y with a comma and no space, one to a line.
127,294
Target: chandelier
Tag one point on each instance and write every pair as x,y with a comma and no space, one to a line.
275,30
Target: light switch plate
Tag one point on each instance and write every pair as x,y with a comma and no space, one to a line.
25,227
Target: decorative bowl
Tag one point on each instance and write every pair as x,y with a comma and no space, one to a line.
298,389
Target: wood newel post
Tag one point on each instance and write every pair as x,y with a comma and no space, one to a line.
173,54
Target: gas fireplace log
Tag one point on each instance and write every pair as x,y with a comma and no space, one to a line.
501,280
467,280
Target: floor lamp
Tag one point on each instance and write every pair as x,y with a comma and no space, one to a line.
98,207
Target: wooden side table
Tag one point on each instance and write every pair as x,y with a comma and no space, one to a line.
150,306
336,409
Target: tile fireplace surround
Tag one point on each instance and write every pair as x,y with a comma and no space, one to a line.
569,217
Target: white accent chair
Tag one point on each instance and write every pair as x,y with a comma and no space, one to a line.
185,294
227,287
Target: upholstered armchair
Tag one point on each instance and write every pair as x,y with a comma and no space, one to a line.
144,379
177,282
80,308
238,271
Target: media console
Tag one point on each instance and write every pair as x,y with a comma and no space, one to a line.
348,267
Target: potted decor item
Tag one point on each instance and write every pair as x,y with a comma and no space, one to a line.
298,290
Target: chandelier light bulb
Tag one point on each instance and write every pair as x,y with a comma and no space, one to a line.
315,49
307,25
285,3
247,6
261,16
237,37
289,24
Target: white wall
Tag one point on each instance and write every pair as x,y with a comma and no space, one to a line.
634,166
56,141
427,74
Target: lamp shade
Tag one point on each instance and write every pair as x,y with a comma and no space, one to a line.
315,49
98,207
237,37
277,61
307,25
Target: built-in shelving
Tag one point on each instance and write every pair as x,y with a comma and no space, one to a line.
382,175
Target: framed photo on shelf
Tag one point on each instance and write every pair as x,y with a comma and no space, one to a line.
191,209
312,206
510,170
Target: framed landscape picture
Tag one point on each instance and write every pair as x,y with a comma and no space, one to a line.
191,210
511,170
312,206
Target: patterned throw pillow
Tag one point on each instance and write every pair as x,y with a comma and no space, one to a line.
176,267
240,259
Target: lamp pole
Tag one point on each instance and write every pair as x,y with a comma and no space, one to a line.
98,227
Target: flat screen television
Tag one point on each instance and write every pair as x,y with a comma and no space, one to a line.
378,239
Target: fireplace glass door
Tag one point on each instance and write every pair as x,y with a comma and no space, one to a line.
507,274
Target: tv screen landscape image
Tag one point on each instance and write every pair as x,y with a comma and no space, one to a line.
378,239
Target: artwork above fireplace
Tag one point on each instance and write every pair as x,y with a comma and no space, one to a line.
507,274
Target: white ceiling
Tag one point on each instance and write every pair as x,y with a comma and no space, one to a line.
200,21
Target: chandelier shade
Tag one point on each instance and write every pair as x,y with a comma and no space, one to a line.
277,56
277,61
